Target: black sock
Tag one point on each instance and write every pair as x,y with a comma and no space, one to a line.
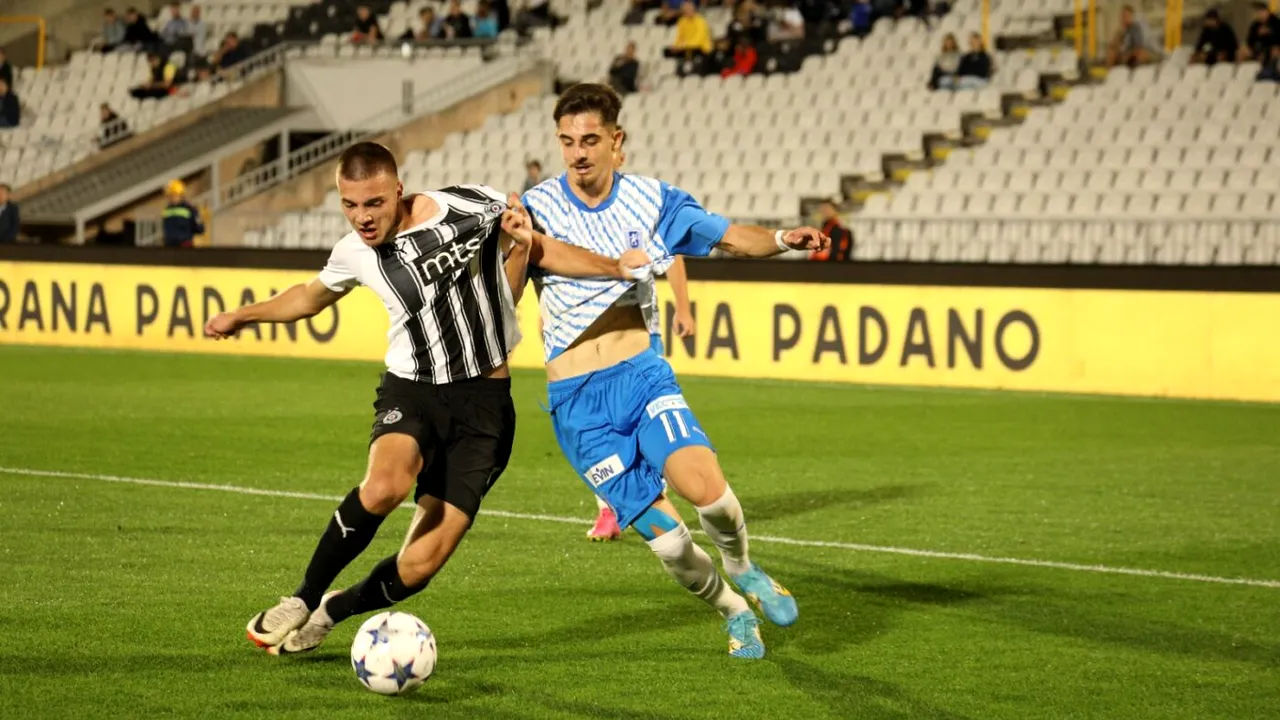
350,531
382,589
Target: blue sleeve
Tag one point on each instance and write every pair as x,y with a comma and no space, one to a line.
685,227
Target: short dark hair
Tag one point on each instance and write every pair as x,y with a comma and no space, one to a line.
365,160
589,97
534,163
6,186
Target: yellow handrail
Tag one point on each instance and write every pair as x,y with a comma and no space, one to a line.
986,24
40,31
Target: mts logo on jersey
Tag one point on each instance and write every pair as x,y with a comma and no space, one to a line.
604,471
448,258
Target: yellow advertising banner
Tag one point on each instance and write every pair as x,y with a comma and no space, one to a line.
1176,344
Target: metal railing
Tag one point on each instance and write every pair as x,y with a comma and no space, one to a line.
293,164
1184,240
42,34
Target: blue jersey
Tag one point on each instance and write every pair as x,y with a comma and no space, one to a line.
640,213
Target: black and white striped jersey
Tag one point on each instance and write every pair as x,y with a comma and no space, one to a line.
442,282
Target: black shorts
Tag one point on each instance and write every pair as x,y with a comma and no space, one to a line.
464,430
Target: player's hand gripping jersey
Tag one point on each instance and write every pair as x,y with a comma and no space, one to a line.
618,425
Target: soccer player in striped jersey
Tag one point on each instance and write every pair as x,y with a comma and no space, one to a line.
443,418
617,410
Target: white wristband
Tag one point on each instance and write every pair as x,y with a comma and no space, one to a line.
778,238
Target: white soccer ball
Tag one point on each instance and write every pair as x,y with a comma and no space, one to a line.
393,653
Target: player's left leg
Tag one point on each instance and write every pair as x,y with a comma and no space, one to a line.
672,439
695,474
690,566
436,531
482,421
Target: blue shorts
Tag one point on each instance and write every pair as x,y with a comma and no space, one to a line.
618,426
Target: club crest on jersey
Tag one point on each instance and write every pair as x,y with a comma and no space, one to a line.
633,238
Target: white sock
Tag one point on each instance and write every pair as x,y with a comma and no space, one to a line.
692,567
601,504
723,522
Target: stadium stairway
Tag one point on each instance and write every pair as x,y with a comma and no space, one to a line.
1047,34
150,166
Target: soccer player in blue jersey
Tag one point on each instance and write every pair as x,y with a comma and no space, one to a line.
683,324
617,410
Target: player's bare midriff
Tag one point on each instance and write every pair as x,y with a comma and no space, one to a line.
620,333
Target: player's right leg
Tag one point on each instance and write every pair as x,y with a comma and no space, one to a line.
395,459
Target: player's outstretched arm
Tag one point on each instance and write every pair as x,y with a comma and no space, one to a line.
567,260
300,301
754,241
558,258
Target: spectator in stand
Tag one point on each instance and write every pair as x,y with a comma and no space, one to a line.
176,27
1217,41
788,23
975,67
536,13
624,73
533,176
181,221
747,25
138,35
744,60
113,128
159,81
670,11
1133,43
1270,71
198,29
693,35
485,23
9,218
860,16
1264,33
6,70
635,16
10,108
112,31
366,28
457,26
230,53
841,238
947,66
429,28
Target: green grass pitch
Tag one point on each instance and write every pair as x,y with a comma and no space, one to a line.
130,600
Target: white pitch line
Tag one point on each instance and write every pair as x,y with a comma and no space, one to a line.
795,542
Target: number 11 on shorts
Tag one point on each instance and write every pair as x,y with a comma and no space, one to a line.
674,423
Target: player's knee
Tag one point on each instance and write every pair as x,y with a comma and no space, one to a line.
384,490
696,475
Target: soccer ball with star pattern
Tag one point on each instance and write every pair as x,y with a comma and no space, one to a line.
393,653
